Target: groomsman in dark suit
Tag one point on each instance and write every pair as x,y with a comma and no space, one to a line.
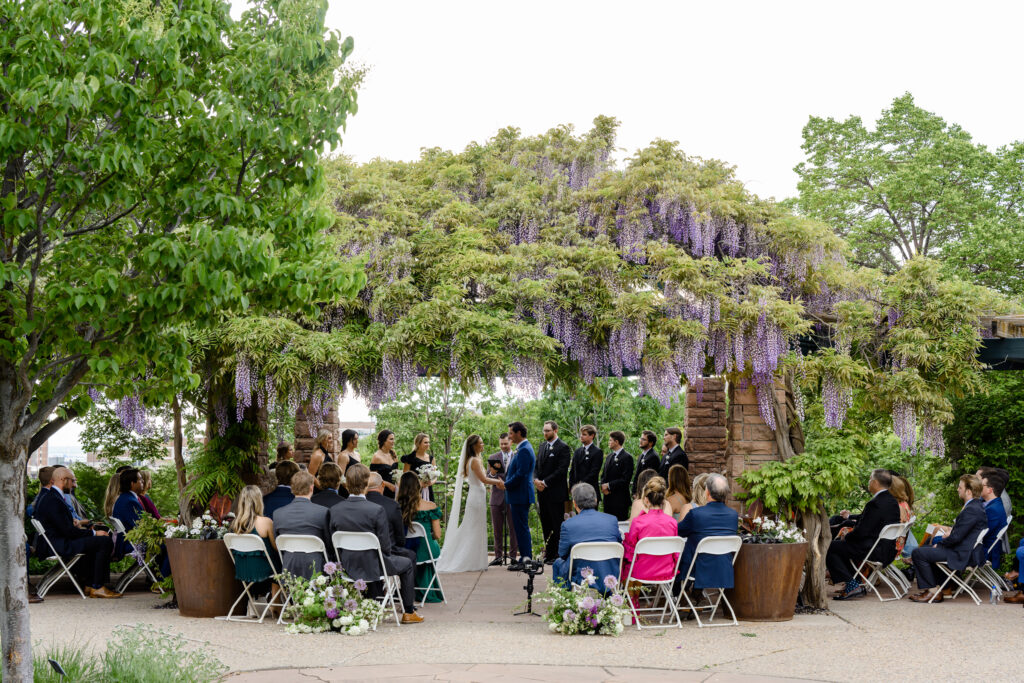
648,459
618,470
587,461
676,455
552,491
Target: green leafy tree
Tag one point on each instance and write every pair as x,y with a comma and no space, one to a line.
160,170
916,185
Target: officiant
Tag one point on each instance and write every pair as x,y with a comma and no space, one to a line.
501,515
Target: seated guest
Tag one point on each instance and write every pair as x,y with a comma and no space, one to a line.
252,565
128,508
680,491
147,503
900,489
956,547
68,539
330,493
588,525
415,508
356,513
375,494
638,506
113,492
653,521
45,475
712,519
282,495
699,490
305,518
285,451
991,489
883,509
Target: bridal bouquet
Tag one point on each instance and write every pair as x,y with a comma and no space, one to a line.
580,608
428,474
330,602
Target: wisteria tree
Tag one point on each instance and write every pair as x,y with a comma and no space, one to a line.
160,172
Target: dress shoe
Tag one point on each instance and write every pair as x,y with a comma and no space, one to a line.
925,596
495,562
101,592
411,618
34,599
858,592
1014,598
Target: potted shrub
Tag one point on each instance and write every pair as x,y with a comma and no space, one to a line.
204,575
768,570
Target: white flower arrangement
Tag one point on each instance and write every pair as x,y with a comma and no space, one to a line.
204,527
330,602
428,473
767,530
581,609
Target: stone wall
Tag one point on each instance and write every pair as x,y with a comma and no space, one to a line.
751,442
304,443
704,439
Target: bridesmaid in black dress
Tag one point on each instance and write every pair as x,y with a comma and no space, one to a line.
321,452
384,462
420,456
348,456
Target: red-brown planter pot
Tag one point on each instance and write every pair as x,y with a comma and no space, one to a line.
204,577
767,581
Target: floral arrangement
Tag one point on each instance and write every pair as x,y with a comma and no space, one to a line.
580,608
206,528
428,473
330,602
766,530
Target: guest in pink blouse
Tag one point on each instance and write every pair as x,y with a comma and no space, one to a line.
651,522
147,502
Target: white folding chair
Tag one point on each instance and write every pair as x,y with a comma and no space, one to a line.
657,546
597,551
133,572
712,545
60,569
624,528
987,574
417,530
298,543
247,543
962,584
890,532
894,574
365,541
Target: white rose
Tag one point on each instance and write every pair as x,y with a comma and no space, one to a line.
321,580
552,626
346,620
307,602
336,623
363,624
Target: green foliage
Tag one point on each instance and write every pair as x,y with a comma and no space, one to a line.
92,485
219,463
104,435
79,664
917,186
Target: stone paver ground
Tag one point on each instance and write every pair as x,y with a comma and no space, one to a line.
475,637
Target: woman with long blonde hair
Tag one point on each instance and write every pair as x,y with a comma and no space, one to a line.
112,494
321,452
249,519
699,491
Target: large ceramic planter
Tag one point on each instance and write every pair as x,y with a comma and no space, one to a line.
204,577
767,581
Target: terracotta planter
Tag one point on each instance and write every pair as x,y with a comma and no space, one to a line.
204,577
767,581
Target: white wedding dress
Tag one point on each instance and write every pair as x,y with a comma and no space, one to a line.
465,541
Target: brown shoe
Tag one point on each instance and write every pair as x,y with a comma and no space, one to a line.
925,596
1014,598
411,618
101,592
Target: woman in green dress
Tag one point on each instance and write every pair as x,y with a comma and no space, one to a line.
416,509
252,565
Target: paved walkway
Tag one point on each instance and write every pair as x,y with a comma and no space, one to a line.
475,637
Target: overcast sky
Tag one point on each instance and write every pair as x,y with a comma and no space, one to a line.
729,80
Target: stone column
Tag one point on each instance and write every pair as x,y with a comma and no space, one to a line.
305,442
704,439
751,442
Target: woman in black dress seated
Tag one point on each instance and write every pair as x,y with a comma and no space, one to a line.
420,456
384,462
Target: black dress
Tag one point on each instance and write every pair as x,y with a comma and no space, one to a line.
413,462
386,473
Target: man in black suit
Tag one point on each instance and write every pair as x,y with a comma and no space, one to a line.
587,461
676,455
881,510
618,470
375,494
330,493
648,459
957,548
553,458
305,518
69,539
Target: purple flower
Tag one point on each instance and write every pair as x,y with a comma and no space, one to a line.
332,613
610,582
569,615
616,600
330,568
587,603
360,585
351,605
330,603
586,572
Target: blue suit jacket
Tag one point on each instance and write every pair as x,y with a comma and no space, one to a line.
128,509
996,515
586,527
713,519
277,499
962,537
519,478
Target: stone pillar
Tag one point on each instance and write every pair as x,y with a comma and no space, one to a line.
306,442
704,439
751,443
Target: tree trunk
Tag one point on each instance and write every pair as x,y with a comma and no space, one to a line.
17,644
179,460
815,526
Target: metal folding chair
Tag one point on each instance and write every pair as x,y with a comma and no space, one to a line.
987,574
132,573
247,543
624,528
417,530
597,551
298,543
60,569
890,532
657,546
363,541
963,585
712,545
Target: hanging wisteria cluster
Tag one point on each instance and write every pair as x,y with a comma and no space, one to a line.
837,399
132,414
904,423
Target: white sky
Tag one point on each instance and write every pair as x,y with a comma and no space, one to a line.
730,80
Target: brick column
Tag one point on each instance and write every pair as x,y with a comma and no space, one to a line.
304,443
751,443
706,430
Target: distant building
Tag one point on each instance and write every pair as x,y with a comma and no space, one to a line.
362,428
38,459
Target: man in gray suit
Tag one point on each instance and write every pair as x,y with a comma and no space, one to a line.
303,516
501,516
356,513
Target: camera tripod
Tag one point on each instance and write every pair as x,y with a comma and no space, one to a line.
532,569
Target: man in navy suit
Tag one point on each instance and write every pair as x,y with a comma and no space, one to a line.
282,495
714,519
587,526
519,491
303,517
955,548
69,539
992,485
128,507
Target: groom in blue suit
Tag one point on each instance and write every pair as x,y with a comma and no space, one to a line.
519,491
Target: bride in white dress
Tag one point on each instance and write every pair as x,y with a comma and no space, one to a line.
465,541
